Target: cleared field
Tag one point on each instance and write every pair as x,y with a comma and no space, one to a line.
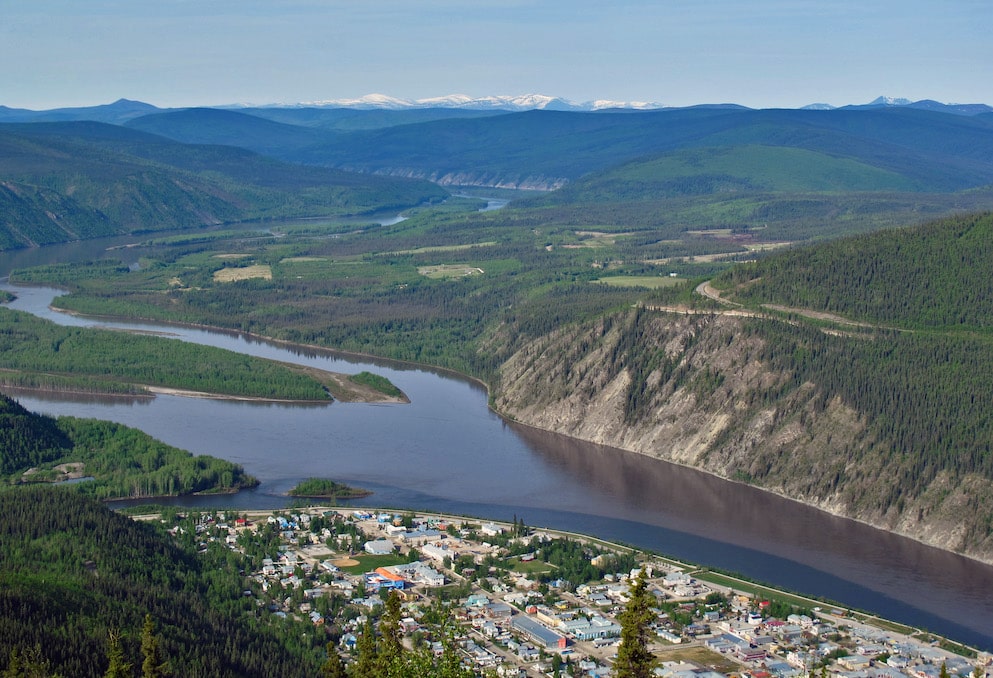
441,248
243,273
449,271
649,281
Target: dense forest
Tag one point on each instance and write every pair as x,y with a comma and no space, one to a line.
111,460
40,354
925,278
77,180
73,572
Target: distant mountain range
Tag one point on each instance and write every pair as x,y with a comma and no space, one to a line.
529,102
923,104
123,110
525,102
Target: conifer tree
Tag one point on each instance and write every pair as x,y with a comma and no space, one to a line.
390,633
634,659
118,668
333,667
28,664
365,665
154,664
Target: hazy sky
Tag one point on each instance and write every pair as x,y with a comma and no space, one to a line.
760,53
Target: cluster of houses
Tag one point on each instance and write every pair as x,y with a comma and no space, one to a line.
511,629
792,648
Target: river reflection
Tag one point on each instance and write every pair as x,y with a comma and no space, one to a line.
447,452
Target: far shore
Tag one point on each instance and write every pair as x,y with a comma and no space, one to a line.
517,422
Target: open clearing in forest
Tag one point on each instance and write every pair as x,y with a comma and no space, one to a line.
649,281
244,273
449,271
441,248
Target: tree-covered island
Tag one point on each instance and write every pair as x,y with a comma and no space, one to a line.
107,460
322,488
39,354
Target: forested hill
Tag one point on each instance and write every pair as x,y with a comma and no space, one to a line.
118,461
936,276
72,572
27,439
934,151
887,421
61,182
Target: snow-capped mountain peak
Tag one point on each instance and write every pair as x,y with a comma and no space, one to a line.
524,102
890,101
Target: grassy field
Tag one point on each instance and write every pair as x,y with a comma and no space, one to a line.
243,273
446,271
652,282
530,567
441,248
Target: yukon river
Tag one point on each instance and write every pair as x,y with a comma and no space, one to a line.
447,452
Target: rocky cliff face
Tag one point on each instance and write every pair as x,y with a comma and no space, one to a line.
695,390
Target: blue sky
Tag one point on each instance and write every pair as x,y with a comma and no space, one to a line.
760,53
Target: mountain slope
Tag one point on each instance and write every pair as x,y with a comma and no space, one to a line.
925,278
229,128
888,427
71,181
115,113
71,571
938,152
27,439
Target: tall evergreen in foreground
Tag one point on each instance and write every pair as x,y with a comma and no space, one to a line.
634,659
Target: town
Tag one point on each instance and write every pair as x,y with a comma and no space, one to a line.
535,602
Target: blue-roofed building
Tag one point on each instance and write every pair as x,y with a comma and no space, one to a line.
538,632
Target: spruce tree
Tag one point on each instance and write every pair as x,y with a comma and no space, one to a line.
117,668
390,633
366,665
634,659
154,664
333,667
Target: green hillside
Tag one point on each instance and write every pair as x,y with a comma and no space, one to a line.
208,126
731,169
72,181
72,572
26,439
934,151
932,277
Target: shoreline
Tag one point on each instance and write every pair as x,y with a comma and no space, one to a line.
747,586
512,420
772,491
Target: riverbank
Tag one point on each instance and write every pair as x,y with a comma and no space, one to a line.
446,450
371,522
561,425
